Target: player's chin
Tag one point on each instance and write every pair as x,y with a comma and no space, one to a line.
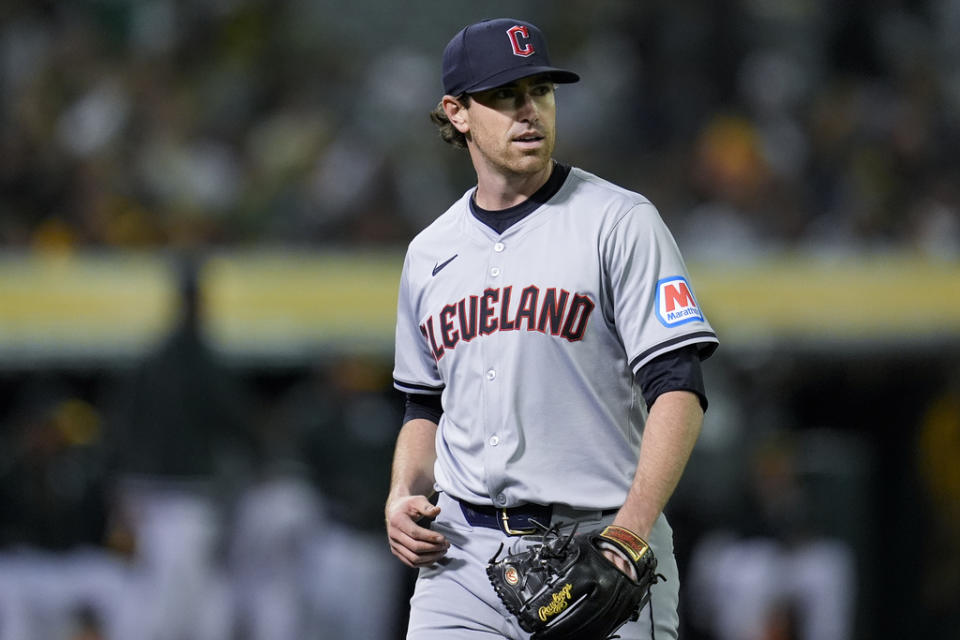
532,161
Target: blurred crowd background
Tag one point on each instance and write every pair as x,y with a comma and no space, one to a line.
180,493
785,124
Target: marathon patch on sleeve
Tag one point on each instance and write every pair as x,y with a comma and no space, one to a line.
675,303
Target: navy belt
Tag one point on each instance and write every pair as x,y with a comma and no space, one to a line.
513,521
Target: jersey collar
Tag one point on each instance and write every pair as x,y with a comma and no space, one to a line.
503,219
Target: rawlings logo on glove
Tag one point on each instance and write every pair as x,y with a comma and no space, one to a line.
564,588
560,601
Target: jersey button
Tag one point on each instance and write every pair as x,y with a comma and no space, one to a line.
491,374
494,441
499,247
495,271
501,499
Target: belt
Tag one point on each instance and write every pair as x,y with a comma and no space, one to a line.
519,520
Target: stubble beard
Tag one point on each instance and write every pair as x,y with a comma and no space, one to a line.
526,163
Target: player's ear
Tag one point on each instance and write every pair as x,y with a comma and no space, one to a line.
456,111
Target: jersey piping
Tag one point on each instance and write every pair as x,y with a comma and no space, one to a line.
411,387
706,341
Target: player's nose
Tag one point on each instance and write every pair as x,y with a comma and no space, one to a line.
526,107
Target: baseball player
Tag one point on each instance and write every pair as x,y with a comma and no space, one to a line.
545,322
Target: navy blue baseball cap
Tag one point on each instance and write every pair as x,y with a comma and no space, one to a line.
494,52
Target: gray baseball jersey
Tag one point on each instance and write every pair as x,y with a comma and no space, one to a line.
533,338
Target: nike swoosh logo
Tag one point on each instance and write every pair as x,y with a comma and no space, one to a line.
436,269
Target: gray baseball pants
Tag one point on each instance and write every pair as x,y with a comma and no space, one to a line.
453,599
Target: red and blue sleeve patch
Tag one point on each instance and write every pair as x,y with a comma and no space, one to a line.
675,304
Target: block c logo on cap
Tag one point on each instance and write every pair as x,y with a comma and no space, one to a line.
515,33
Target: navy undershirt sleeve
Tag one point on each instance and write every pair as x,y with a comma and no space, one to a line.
677,370
422,405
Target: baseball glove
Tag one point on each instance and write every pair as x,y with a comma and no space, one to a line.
563,588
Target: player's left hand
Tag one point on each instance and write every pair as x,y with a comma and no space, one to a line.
620,562
618,557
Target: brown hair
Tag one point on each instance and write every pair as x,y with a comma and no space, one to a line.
448,132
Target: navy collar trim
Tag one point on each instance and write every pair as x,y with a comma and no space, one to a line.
503,219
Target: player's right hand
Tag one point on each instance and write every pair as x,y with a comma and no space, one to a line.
416,546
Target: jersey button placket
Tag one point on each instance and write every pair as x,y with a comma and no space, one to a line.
495,270
494,462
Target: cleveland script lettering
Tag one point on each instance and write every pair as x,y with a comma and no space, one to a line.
552,311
